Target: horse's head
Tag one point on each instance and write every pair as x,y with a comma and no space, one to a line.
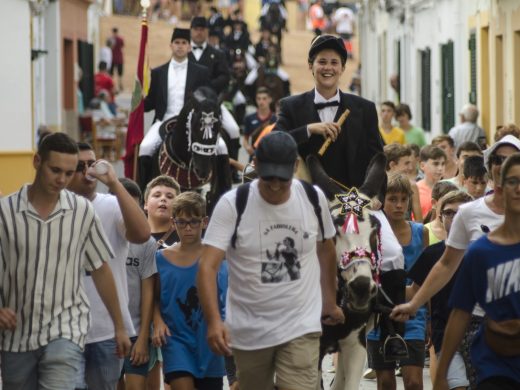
202,119
358,241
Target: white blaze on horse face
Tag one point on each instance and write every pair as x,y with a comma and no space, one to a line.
207,121
355,255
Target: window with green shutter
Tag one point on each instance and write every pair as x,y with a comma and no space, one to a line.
448,87
472,46
426,101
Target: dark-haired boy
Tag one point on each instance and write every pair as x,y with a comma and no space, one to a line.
433,160
124,222
50,237
475,176
465,150
399,159
312,116
446,143
389,132
259,119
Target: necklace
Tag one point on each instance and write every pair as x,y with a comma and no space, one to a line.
162,240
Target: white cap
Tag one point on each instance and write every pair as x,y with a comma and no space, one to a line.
507,140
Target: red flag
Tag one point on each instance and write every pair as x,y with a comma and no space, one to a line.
135,131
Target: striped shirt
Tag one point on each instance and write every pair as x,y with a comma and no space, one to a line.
41,264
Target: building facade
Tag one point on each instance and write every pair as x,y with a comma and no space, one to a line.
445,53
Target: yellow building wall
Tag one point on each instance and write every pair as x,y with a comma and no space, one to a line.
16,170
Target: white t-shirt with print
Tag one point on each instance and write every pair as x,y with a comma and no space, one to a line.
473,220
140,265
470,223
274,293
102,327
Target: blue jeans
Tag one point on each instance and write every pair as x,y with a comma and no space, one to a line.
102,366
52,367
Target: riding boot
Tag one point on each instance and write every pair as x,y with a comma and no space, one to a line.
233,149
393,284
144,171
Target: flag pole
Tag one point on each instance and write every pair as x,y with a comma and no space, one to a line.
135,131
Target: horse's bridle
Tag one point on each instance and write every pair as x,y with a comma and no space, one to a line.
178,168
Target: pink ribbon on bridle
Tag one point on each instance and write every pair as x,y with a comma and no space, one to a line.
350,226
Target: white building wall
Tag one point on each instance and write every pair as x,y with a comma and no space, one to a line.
425,24
53,68
15,68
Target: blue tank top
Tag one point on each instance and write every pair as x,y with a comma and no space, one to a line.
415,328
187,348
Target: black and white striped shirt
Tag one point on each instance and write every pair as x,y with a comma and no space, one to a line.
41,264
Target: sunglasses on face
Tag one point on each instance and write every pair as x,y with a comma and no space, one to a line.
447,213
82,165
496,159
273,178
511,182
182,223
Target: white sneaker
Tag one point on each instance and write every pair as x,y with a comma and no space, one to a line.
369,374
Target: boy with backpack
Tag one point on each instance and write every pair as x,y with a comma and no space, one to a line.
278,253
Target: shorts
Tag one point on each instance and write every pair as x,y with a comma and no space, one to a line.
143,369
498,383
208,383
119,68
456,372
377,362
295,364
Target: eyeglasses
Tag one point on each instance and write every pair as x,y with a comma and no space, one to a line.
273,178
182,223
511,182
497,159
82,165
448,213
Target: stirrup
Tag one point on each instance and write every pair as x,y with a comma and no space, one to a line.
394,348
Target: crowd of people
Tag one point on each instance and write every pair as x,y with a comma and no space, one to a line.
140,286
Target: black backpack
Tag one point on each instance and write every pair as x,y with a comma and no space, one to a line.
243,194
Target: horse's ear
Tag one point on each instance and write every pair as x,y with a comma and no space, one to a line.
320,177
375,178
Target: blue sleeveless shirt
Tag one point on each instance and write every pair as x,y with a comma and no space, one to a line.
187,349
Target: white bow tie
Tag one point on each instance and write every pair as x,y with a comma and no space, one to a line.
179,66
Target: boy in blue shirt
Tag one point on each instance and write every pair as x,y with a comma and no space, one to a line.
188,362
413,238
489,276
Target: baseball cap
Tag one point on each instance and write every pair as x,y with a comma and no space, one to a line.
506,140
322,42
276,155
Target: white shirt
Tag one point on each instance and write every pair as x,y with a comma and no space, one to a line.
197,53
469,223
344,17
268,302
177,73
326,114
102,327
472,221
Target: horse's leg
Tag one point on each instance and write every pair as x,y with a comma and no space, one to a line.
220,181
351,361
279,38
